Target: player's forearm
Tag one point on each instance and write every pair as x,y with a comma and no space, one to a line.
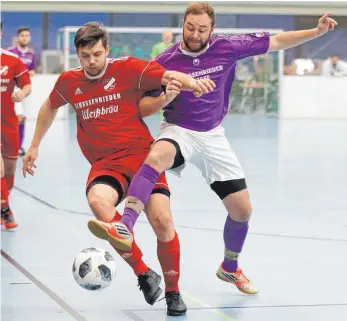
151,105
26,90
290,39
44,121
188,82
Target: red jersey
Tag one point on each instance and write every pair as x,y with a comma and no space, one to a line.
13,73
108,118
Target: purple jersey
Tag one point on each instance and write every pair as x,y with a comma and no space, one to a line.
218,63
27,56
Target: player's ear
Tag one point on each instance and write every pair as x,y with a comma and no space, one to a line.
107,50
213,27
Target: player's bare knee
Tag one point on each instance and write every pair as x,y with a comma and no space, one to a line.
96,202
238,204
243,213
163,222
100,205
161,158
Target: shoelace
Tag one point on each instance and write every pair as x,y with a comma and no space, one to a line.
142,282
175,295
240,275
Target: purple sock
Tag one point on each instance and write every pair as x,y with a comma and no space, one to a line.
234,237
21,134
141,187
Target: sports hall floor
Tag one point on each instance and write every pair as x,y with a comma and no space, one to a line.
296,252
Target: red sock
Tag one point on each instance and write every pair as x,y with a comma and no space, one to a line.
133,257
9,181
4,194
169,258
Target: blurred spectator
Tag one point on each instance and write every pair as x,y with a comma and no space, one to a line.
161,46
23,49
334,67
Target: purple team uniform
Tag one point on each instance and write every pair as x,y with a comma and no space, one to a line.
27,56
218,63
195,123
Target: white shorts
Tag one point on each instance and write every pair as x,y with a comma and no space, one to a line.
209,151
18,108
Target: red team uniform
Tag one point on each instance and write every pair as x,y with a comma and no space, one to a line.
13,73
110,130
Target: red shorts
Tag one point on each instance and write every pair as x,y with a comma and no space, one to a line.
10,144
123,168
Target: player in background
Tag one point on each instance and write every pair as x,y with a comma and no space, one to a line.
13,73
114,139
192,130
24,51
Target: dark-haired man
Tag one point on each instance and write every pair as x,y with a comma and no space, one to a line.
115,140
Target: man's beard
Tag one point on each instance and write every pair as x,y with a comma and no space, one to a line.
202,46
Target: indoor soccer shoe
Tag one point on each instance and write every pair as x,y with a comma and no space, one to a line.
149,285
237,278
8,220
175,304
116,233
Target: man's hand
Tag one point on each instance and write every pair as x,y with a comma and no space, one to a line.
173,88
18,96
325,24
29,161
203,86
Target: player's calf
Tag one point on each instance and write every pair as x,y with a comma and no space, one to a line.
162,225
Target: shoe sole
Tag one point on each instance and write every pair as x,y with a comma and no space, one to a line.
227,281
11,226
157,294
175,313
101,232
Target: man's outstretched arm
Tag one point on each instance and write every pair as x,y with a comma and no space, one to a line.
289,39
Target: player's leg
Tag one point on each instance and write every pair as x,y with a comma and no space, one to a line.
227,180
168,245
21,125
160,158
4,190
235,232
104,192
169,151
9,156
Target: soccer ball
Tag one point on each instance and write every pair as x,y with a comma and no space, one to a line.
94,269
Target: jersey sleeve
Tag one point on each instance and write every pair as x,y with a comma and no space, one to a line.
59,95
153,93
21,75
147,74
251,44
